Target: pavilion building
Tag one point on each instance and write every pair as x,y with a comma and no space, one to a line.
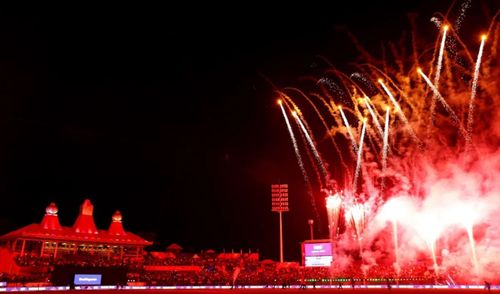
50,239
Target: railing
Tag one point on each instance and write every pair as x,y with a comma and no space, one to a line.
65,288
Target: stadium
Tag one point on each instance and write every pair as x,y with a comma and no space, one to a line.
398,154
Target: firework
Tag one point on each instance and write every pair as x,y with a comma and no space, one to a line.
416,189
386,140
438,73
360,153
348,127
398,110
374,117
333,205
397,267
470,118
294,142
311,144
356,216
440,57
450,111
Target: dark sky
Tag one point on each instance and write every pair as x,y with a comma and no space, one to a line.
163,112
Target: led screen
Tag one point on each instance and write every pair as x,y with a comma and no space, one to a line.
317,249
87,279
319,260
317,254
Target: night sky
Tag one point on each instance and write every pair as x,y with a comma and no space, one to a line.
165,112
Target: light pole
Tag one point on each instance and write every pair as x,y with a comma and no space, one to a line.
279,198
311,223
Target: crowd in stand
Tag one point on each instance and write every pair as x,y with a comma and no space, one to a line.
240,270
74,259
245,271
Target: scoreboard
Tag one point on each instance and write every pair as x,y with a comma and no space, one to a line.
317,253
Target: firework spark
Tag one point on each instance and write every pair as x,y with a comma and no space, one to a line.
348,127
294,142
398,110
438,95
360,153
356,215
470,118
374,117
333,205
438,73
440,58
312,145
386,140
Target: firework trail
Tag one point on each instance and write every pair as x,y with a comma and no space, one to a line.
323,121
470,234
450,111
438,73
396,246
348,127
356,216
360,155
320,173
440,58
312,159
386,141
338,122
399,111
294,142
299,159
333,205
470,117
429,229
374,117
312,145
463,9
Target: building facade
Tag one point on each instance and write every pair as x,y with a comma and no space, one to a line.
48,239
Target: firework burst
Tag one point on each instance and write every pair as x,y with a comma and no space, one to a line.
424,177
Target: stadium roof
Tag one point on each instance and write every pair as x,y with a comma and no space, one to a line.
83,231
